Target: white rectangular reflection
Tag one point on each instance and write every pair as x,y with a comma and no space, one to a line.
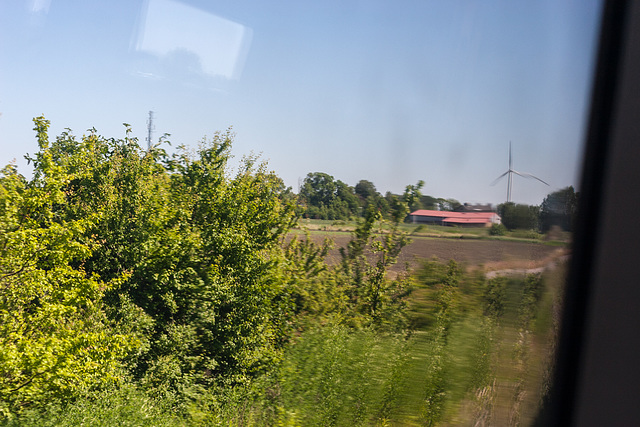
214,45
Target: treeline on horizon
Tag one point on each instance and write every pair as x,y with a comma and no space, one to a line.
321,196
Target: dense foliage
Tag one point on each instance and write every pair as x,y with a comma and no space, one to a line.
321,196
480,354
55,338
142,288
519,216
170,272
559,209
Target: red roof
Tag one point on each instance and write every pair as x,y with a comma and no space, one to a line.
466,220
450,216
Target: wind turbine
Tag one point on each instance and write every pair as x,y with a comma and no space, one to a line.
510,172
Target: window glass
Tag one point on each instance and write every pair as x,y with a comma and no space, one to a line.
455,128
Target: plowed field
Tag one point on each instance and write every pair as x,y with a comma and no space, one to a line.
488,254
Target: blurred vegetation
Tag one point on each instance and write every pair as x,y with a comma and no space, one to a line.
498,230
142,288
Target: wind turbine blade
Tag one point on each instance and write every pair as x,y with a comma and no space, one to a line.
510,164
498,178
528,175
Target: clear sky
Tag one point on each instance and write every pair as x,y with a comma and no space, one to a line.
388,91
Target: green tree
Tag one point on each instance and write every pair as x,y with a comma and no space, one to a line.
429,202
56,341
370,197
365,189
397,209
412,195
318,189
188,247
120,264
559,208
363,271
448,204
519,216
326,198
348,200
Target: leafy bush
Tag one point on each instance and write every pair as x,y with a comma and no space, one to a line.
114,407
498,230
119,264
111,255
519,216
55,338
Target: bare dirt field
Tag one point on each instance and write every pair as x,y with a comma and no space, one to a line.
490,255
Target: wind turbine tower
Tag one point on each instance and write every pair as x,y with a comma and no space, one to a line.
510,173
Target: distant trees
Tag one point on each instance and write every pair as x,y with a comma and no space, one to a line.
323,197
448,204
429,202
398,209
318,189
519,216
559,208
438,203
370,198
365,189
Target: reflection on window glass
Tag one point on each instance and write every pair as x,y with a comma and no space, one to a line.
253,213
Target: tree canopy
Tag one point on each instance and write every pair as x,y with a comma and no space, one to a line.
120,264
519,216
559,208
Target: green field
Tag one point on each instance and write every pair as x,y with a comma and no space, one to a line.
319,226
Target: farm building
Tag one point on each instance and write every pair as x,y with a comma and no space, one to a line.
460,219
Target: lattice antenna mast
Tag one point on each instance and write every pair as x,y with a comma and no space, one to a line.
150,129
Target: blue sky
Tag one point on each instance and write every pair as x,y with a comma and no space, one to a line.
392,92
